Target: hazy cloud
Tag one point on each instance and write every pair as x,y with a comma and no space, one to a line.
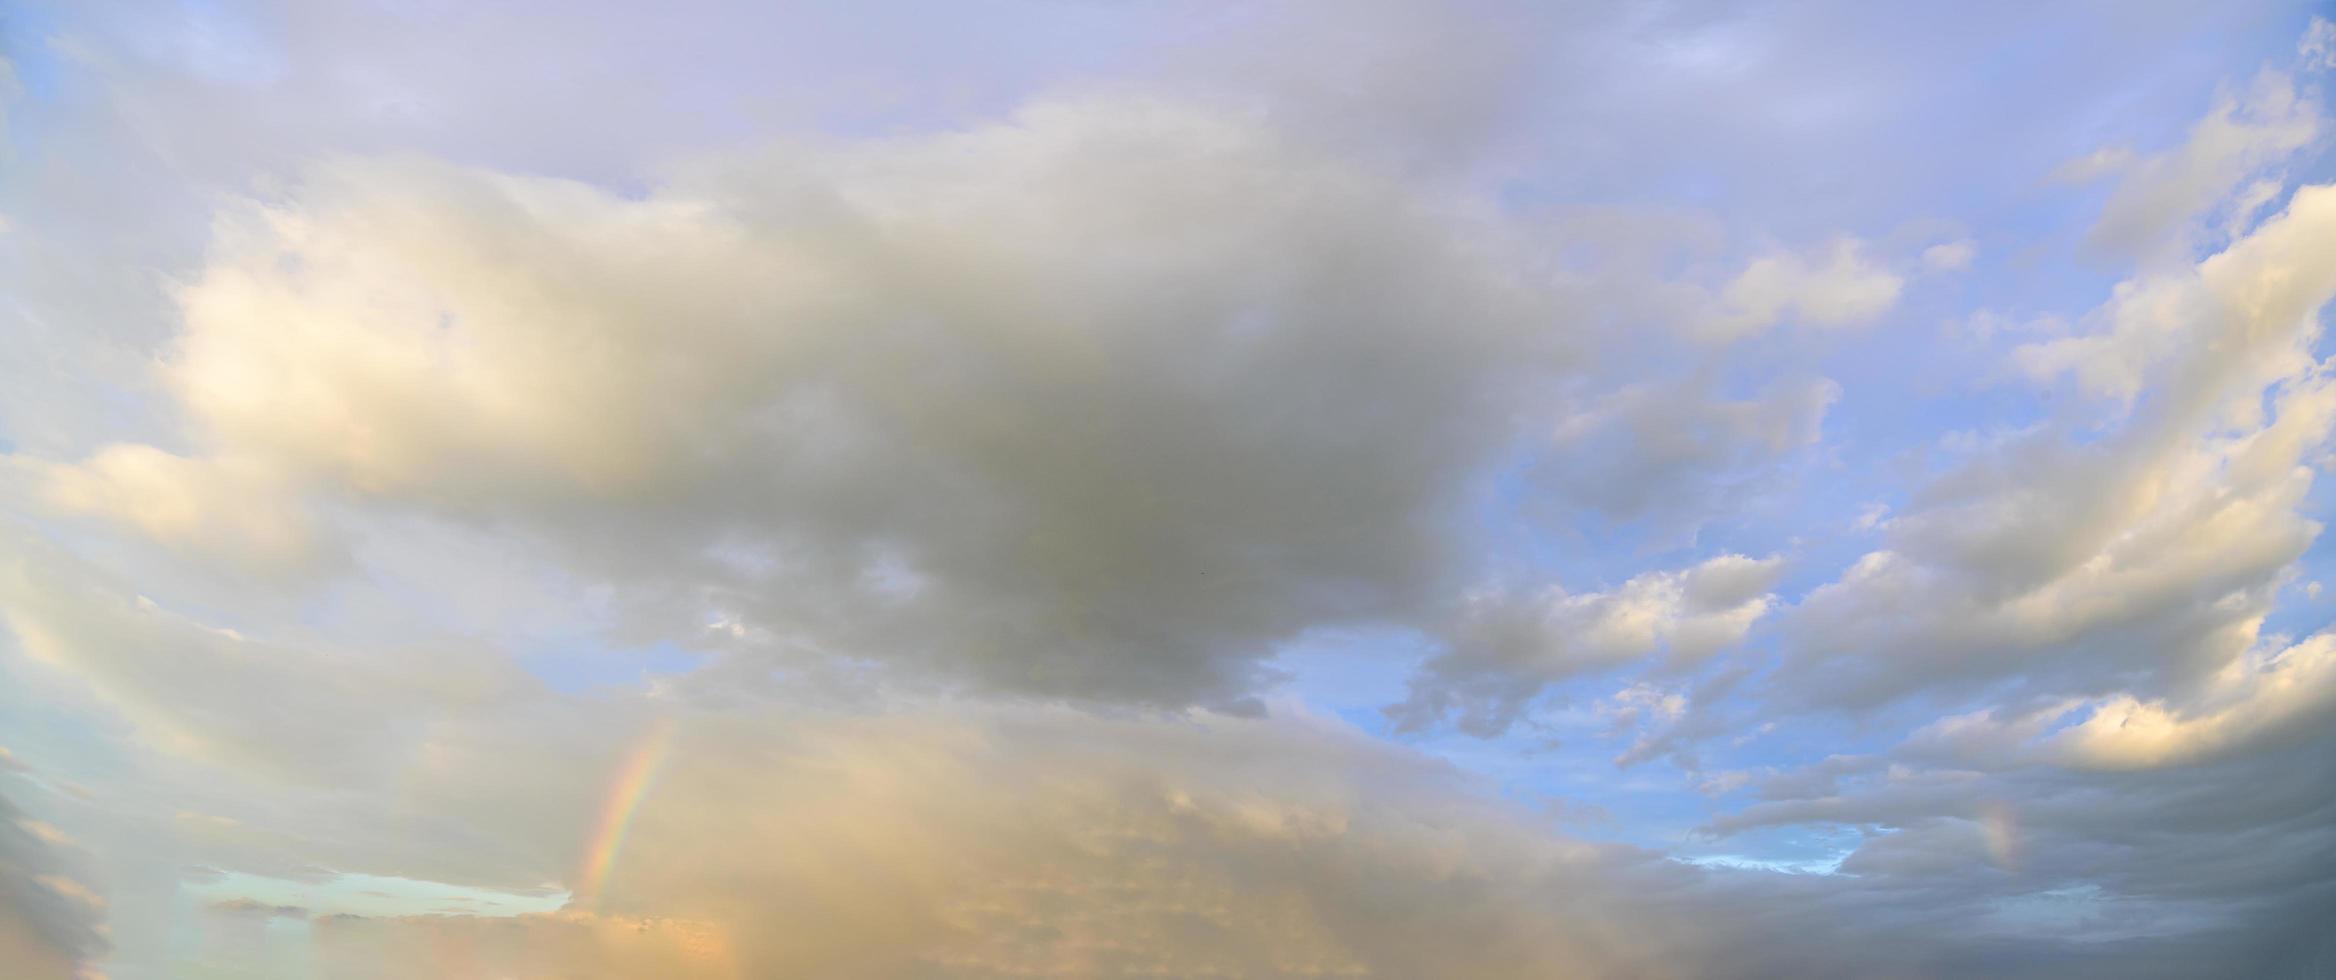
50,923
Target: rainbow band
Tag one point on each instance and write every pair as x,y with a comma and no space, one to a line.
634,777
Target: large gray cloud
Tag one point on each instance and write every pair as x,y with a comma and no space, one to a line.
1102,402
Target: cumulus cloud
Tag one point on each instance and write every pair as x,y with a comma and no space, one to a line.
1107,399
2143,556
1504,650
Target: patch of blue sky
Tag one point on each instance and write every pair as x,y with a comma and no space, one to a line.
584,666
1819,865
1564,758
2087,913
48,736
26,34
369,895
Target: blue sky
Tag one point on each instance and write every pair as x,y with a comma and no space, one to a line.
1654,489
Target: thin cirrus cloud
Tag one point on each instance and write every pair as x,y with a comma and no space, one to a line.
533,491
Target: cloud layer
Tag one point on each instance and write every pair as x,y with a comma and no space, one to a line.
1309,490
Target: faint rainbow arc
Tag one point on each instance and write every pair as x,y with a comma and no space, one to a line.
1999,828
634,778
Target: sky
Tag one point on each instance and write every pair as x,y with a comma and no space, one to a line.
1289,489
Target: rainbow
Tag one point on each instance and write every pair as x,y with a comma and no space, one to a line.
2001,832
634,776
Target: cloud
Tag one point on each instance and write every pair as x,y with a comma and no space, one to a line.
2236,320
565,944
191,688
2317,50
1951,256
961,840
2256,704
2252,701
2147,554
2093,166
1837,286
785,837
2246,133
1101,402
422,463
1672,453
2088,597
2223,849
222,510
253,907
1504,650
50,923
